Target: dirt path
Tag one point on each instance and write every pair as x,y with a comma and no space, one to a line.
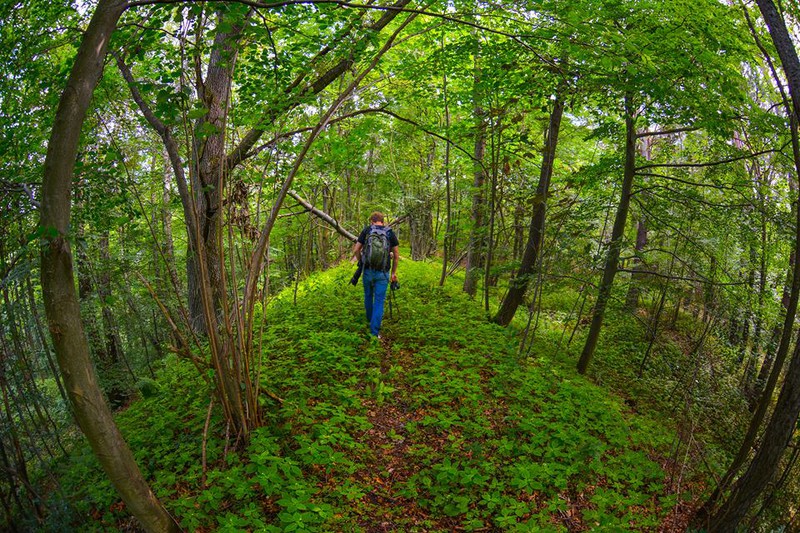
392,463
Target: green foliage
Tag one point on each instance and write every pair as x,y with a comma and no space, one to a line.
147,388
682,64
474,434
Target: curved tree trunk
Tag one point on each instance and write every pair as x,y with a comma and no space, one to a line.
61,302
519,284
614,247
785,415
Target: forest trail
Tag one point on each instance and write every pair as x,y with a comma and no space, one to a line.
389,466
462,433
441,426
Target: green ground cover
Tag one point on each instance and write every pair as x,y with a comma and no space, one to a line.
441,425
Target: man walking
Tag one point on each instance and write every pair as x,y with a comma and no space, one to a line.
377,248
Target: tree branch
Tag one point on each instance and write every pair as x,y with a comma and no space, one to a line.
341,3
429,132
169,144
711,163
692,183
322,215
686,237
686,200
286,134
665,132
21,187
683,278
239,153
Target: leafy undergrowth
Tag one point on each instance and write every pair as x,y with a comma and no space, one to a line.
688,378
441,426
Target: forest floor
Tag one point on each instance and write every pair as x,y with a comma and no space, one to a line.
440,426
391,467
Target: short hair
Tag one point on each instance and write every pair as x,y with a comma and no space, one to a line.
377,216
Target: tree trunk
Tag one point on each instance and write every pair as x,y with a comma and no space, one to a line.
420,228
614,247
749,355
166,227
477,237
519,284
447,249
24,387
19,472
43,340
85,291
496,138
328,202
758,327
209,180
13,490
769,356
754,353
777,436
116,392
635,288
784,419
61,302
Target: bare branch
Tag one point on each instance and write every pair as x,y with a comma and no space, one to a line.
22,187
712,163
665,132
683,278
322,215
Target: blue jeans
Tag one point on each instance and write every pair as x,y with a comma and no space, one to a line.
375,284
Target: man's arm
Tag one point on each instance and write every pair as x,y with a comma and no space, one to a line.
356,252
396,255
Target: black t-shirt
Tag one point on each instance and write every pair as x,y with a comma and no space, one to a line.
393,241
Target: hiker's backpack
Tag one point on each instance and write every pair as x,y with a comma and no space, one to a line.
375,255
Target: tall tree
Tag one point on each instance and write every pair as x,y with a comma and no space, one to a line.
649,98
61,302
617,233
519,284
783,421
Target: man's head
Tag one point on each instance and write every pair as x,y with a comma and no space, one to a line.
376,217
